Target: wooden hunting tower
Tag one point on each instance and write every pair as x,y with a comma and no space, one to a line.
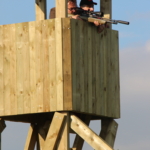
58,74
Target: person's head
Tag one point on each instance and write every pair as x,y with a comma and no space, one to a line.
87,5
72,5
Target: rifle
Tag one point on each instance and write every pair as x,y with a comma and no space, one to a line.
96,16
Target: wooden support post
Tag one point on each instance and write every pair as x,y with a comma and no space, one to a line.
2,127
31,138
61,8
54,131
87,134
108,131
64,141
40,7
106,8
78,143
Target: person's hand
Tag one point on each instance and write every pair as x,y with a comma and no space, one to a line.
96,23
76,17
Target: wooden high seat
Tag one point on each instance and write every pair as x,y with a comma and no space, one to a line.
59,67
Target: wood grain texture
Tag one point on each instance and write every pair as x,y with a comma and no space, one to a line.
52,64
87,134
1,71
67,70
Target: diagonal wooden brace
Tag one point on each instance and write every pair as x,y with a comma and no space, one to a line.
87,134
31,138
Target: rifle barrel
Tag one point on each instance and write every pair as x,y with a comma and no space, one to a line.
123,22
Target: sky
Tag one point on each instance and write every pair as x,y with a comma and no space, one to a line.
134,45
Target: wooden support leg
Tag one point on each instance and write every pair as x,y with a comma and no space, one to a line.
31,138
64,141
78,143
54,131
108,131
87,134
2,127
40,7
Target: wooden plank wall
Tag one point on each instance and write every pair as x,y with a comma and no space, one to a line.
58,64
31,75
95,70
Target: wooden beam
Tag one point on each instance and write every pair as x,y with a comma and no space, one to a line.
87,134
108,131
106,8
2,125
64,140
54,131
78,142
61,8
40,7
31,138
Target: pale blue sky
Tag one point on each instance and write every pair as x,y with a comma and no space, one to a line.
133,132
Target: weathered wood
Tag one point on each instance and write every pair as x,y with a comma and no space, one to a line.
87,134
54,131
108,131
40,9
31,138
61,8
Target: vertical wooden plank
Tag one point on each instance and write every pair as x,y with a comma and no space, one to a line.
67,72
78,66
6,69
40,9
105,73
74,61
52,64
61,8
59,65
116,78
106,8
19,66
32,71
98,75
108,73
45,55
101,76
26,66
90,58
94,32
39,66
81,65
85,62
13,79
1,71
